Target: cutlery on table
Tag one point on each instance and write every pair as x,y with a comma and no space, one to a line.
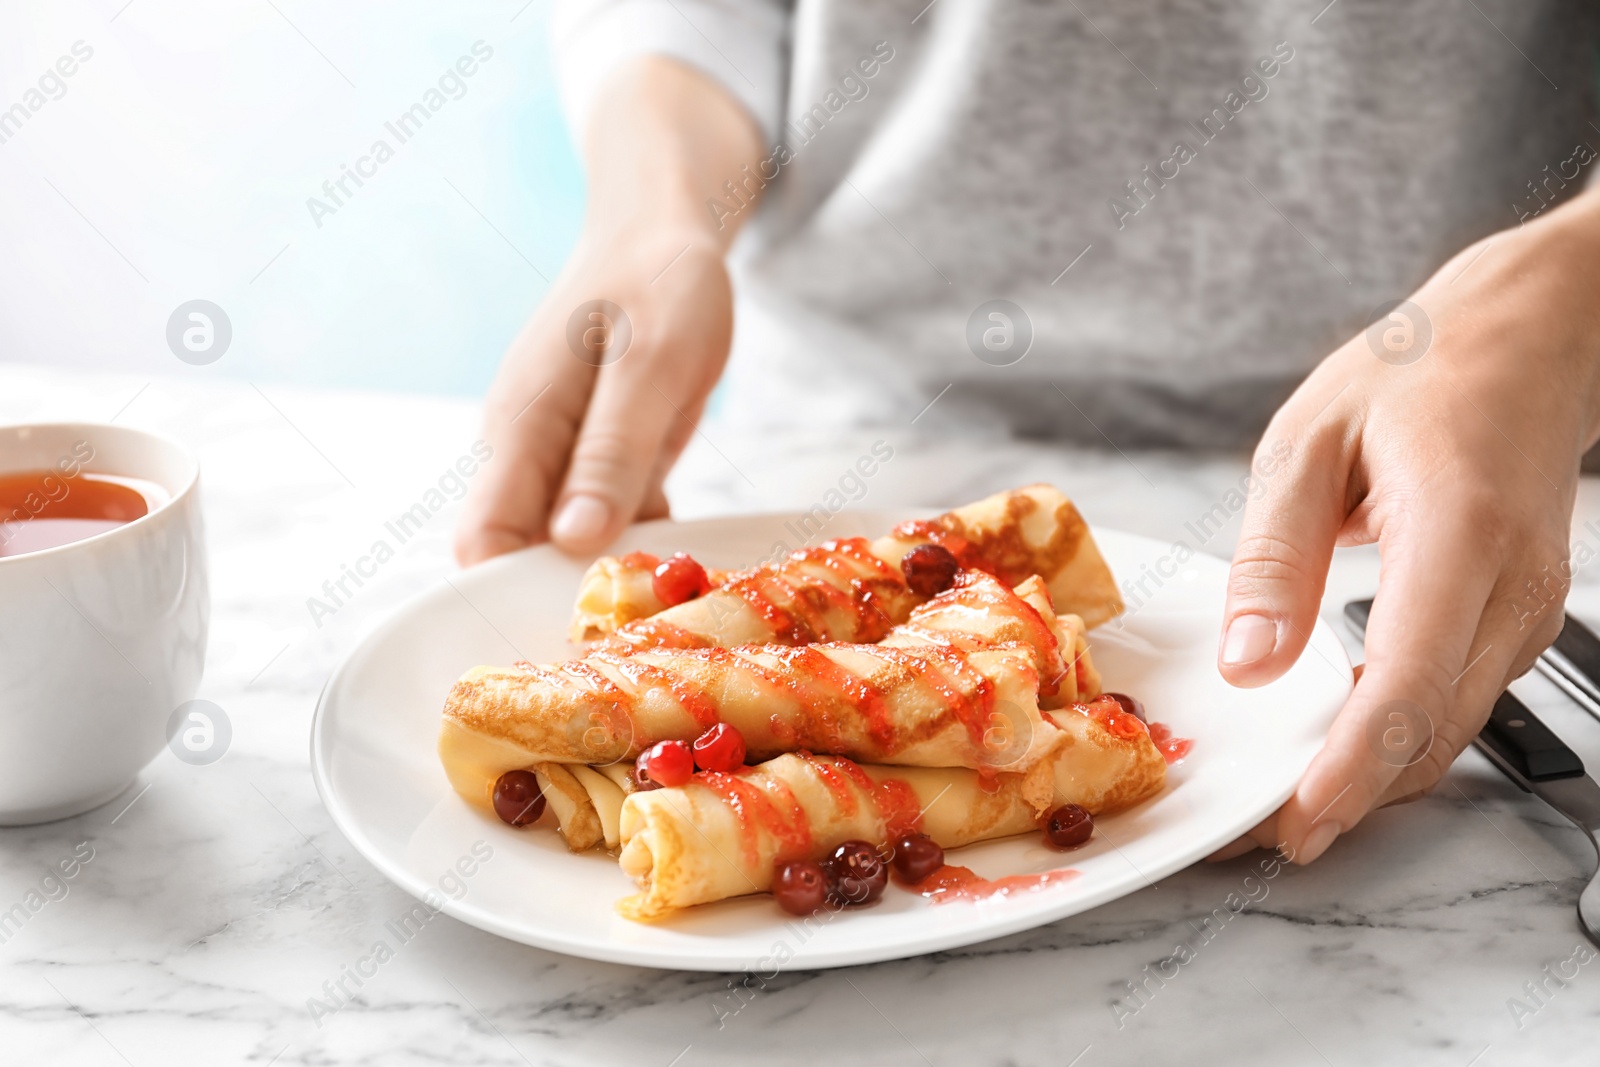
1572,662
1530,754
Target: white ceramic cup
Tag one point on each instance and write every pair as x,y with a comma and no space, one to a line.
101,640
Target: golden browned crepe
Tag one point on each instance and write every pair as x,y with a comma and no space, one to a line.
958,686
1011,535
617,590
721,835
853,590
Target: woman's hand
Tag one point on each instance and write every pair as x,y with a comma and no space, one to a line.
593,403
1450,434
600,392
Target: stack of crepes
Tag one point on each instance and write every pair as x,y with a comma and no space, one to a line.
868,711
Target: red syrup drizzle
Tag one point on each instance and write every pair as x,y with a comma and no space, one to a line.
615,719
901,811
691,697
839,783
900,807
1038,631
1080,669
1002,602
809,662
1108,713
870,579
896,802
756,810
812,600
1173,749
654,633
821,729
965,552
950,883
974,711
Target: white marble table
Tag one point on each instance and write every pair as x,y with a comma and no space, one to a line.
220,898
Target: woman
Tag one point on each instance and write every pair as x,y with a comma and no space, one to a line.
1145,225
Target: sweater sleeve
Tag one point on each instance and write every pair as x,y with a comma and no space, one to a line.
742,44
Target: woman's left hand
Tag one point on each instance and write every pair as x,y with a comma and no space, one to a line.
1450,434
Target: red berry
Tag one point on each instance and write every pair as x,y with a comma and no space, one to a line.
668,763
679,579
929,569
641,773
720,748
800,886
916,856
1128,704
518,800
859,873
1068,826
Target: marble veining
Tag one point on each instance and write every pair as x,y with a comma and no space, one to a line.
220,899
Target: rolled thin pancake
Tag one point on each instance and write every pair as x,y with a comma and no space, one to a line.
958,687
852,590
721,835
616,591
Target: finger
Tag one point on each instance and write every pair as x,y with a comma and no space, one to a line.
1281,562
1234,849
531,419
1263,834
655,504
634,412
645,403
1504,645
1431,595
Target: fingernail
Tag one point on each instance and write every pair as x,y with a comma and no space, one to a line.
1317,841
582,519
1250,637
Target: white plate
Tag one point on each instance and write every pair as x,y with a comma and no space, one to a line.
372,753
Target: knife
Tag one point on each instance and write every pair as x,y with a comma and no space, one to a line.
1537,761
1573,664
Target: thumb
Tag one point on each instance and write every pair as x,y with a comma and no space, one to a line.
1291,522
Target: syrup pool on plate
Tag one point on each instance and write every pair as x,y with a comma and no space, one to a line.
46,509
962,883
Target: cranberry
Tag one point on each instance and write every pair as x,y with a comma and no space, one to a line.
518,800
1068,826
720,748
667,763
679,579
1128,704
800,886
929,569
916,856
859,873
641,773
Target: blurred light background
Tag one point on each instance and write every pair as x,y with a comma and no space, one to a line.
177,161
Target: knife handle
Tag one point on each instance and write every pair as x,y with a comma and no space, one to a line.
1514,738
1526,745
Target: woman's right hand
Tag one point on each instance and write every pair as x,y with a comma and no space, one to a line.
601,390
599,393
